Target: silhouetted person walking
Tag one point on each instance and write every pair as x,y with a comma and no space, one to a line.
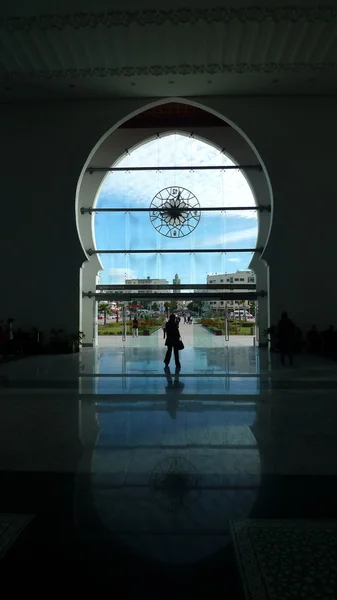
286,333
172,341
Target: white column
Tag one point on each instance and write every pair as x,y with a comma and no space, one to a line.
263,320
89,322
262,284
88,317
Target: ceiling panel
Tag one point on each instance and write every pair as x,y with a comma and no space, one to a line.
235,50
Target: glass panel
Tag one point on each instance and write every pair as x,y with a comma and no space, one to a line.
191,268
176,227
136,231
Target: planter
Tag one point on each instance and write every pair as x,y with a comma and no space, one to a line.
60,348
213,330
146,332
63,347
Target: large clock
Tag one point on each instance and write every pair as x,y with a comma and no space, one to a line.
175,212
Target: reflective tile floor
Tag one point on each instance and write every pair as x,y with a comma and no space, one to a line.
120,460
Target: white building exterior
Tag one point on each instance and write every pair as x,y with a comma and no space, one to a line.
242,278
147,281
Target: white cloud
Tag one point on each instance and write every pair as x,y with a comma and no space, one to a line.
233,236
118,274
211,188
233,259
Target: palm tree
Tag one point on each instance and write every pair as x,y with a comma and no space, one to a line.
240,303
104,309
252,308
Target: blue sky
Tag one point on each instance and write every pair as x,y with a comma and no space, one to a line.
135,231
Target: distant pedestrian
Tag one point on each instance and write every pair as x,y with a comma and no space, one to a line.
164,323
135,325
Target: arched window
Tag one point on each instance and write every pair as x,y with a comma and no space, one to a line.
189,218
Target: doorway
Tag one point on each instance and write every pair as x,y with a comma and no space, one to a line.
174,222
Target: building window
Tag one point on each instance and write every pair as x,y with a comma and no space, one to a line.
242,278
236,279
221,280
251,280
221,301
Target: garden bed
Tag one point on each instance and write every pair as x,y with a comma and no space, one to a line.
117,328
233,330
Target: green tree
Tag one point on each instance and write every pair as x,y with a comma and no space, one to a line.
173,305
155,306
144,303
166,306
196,306
252,308
242,304
104,309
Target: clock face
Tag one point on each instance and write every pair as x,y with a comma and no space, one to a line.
176,212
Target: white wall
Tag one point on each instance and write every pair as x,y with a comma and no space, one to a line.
44,149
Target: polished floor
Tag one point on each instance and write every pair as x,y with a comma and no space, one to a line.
119,459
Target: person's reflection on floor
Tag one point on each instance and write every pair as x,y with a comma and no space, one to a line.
173,388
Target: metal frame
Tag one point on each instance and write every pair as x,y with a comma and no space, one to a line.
127,296
92,170
124,323
261,208
180,286
257,323
226,324
90,252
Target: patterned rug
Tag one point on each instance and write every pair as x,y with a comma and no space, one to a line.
287,560
11,525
